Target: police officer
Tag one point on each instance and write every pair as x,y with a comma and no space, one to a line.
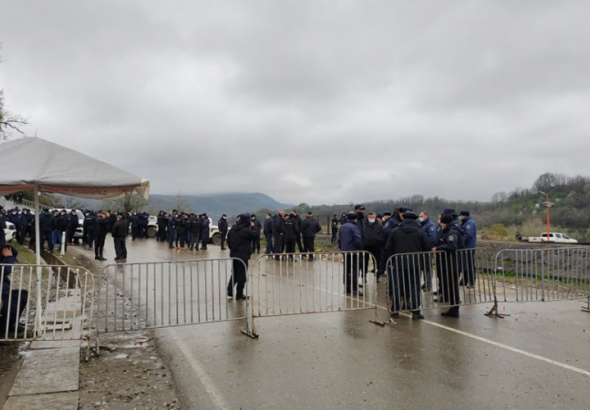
429,228
239,241
372,234
89,227
135,229
351,240
470,238
309,228
172,228
46,228
204,235
182,226
449,242
222,226
2,227
404,283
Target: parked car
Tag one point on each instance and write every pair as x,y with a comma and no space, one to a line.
554,237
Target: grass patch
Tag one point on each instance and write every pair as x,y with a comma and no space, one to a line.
25,255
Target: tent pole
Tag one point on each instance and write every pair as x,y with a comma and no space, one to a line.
38,260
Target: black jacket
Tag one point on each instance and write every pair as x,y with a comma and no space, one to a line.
120,229
451,239
222,225
268,223
73,221
239,240
372,234
62,222
47,222
194,225
407,238
101,226
278,226
181,225
291,228
257,228
89,224
309,227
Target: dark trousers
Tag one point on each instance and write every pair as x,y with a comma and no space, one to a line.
238,278
70,235
404,285
277,241
134,232
268,237
468,266
256,244
299,245
334,234
351,272
223,238
309,246
90,239
120,248
161,234
194,242
10,313
22,233
376,252
290,245
171,237
47,236
180,237
99,248
448,277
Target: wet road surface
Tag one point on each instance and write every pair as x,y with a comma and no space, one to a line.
537,358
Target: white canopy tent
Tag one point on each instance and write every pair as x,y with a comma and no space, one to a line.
39,165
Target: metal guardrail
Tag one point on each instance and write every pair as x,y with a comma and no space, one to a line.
306,283
58,307
548,274
432,280
155,295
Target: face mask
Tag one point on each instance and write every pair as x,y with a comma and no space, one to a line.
371,220
439,221
421,219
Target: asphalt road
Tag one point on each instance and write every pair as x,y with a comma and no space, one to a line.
537,358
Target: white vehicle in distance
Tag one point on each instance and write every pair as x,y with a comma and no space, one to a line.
214,234
9,231
554,237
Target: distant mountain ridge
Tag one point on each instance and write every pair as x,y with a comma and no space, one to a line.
214,205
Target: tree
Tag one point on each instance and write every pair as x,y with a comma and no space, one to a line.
129,203
9,122
182,204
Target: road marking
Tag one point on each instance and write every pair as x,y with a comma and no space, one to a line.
479,338
214,394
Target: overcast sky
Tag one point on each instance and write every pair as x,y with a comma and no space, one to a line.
308,101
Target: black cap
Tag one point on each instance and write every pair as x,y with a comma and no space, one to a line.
386,213
244,218
449,211
409,214
446,218
351,215
359,207
464,212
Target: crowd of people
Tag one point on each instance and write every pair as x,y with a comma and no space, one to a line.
402,232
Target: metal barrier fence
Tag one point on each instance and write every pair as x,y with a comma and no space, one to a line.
46,302
166,294
548,274
283,284
432,280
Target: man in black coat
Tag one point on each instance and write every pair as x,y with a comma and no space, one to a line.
101,229
162,224
194,227
278,233
181,230
222,226
309,228
89,227
268,224
298,221
372,233
239,241
291,234
257,228
204,234
334,227
72,226
46,228
404,275
134,219
119,233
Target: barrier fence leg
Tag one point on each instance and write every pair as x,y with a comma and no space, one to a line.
587,308
494,311
377,320
250,330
